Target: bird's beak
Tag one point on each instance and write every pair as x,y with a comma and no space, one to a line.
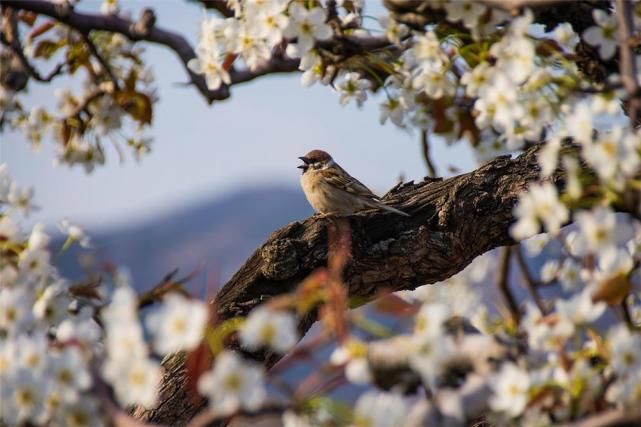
305,165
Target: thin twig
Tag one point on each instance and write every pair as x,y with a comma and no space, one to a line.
502,283
425,145
513,6
103,64
627,59
530,282
16,47
627,316
613,417
86,22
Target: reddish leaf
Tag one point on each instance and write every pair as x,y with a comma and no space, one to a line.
137,104
196,363
395,305
41,29
468,126
442,123
613,290
229,61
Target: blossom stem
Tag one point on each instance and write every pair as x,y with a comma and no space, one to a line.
502,283
425,145
529,280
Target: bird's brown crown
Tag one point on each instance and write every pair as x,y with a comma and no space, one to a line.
317,156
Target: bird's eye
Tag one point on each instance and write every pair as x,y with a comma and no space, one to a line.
317,165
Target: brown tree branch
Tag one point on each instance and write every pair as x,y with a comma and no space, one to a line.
30,68
425,147
513,6
627,59
12,41
85,22
452,222
620,417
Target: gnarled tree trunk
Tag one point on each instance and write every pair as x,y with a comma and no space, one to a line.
452,222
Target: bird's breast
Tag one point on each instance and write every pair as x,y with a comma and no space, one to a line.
317,192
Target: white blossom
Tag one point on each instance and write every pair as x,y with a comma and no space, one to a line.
625,350
353,354
394,30
549,156
569,274
265,327
15,310
477,79
394,109
135,380
21,199
379,409
466,11
38,239
75,233
565,35
515,57
540,204
604,34
10,230
579,123
312,66
23,401
233,384
178,324
307,25
599,230
271,21
69,373
549,270
510,387
352,86
211,66
580,309
535,244
246,39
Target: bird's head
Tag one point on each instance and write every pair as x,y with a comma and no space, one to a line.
316,159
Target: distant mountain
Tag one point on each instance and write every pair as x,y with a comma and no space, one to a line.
214,236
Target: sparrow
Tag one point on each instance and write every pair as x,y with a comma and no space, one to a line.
331,190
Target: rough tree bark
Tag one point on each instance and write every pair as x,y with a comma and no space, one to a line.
452,222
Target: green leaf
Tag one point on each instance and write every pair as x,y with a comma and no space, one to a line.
215,337
130,81
137,104
77,56
47,48
340,411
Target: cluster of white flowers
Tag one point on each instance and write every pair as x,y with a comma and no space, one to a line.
99,110
50,343
43,380
487,81
257,28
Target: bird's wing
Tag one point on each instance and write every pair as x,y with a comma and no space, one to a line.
348,183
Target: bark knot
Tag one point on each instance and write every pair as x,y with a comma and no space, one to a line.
281,259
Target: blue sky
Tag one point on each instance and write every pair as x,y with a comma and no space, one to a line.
202,151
